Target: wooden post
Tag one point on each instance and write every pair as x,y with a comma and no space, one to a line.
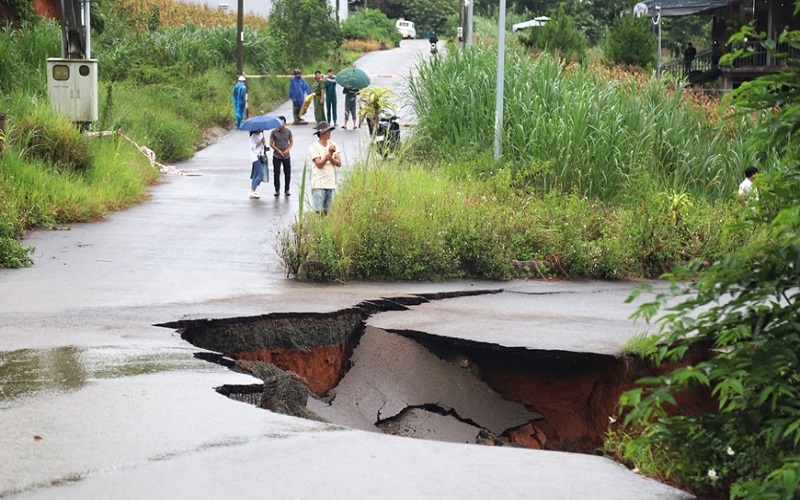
2,132
240,38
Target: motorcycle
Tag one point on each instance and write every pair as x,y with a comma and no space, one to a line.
434,49
387,135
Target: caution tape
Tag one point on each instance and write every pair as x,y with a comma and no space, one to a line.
149,153
379,75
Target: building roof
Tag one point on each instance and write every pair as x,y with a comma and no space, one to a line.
674,8
537,21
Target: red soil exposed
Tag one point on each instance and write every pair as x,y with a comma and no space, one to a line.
321,368
576,408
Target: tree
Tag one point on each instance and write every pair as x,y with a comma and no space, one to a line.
306,28
371,24
630,41
747,307
558,36
431,14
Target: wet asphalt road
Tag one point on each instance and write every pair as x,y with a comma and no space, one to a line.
95,402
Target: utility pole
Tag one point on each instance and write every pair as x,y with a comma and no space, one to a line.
462,18
470,4
240,38
657,22
501,68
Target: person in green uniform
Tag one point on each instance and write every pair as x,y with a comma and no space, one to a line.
330,99
318,87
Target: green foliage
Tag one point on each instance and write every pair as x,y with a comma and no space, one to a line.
371,24
21,11
374,102
559,122
44,136
559,36
12,253
630,41
431,15
747,307
422,221
171,55
23,56
306,29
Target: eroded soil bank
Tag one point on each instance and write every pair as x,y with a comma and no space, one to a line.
336,368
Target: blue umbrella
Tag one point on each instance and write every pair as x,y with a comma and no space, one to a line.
262,122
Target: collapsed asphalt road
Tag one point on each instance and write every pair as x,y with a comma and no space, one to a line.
96,402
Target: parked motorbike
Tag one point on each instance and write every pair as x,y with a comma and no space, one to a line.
387,136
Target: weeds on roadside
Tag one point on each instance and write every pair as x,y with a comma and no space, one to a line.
409,221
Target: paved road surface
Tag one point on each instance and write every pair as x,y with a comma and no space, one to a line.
97,403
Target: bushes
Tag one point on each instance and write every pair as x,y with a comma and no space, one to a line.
630,41
43,136
306,29
418,222
371,24
559,36
747,308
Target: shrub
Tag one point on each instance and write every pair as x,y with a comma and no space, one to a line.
746,307
559,36
306,29
12,253
44,135
371,24
630,41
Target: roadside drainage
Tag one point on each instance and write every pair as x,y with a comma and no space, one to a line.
334,367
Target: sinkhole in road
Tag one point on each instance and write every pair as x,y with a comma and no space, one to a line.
334,367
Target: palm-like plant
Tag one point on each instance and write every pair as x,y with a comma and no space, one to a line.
374,101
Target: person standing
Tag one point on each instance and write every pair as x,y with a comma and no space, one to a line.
330,99
325,155
688,59
298,90
746,187
240,100
350,106
281,142
257,161
318,88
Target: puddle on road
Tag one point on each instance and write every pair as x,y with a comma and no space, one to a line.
28,372
333,367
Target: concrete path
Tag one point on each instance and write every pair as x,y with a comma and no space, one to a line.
95,402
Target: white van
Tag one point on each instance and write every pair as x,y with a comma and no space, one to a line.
406,28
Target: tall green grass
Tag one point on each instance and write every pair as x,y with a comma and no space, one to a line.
188,50
44,195
417,221
578,128
23,55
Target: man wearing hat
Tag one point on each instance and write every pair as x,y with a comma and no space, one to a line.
240,100
325,155
298,90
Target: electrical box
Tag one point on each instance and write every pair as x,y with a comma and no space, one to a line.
72,88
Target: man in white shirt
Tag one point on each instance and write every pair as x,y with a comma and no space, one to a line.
325,155
747,184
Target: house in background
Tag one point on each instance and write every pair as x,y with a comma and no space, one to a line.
768,16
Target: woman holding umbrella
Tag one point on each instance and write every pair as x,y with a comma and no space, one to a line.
258,149
257,160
